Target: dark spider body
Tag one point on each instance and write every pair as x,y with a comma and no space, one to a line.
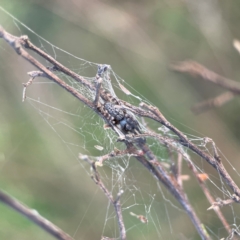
119,116
113,111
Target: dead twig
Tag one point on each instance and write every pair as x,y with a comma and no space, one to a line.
213,102
201,72
160,173
34,216
222,203
201,181
197,70
115,202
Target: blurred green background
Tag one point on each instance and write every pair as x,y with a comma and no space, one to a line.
139,39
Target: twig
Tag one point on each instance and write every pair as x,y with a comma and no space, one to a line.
33,75
116,203
183,140
34,216
213,102
159,172
221,202
233,232
16,43
118,210
142,218
179,168
197,70
210,198
115,153
215,151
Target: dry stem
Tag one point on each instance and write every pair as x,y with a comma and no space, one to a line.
210,198
116,203
197,70
213,102
133,147
34,216
201,72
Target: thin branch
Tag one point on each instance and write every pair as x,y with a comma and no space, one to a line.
179,168
118,210
34,216
141,218
213,102
33,75
233,232
197,70
183,140
59,67
222,203
116,203
210,198
115,153
16,43
159,172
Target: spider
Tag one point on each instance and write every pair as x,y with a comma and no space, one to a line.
120,117
112,109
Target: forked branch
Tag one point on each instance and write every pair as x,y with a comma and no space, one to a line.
136,145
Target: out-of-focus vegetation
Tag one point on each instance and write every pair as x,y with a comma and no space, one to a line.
139,39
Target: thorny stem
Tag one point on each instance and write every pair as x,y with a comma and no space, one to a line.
34,216
151,112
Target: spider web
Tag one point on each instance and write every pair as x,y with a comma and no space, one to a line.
82,132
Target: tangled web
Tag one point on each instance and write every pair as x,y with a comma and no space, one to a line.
149,211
